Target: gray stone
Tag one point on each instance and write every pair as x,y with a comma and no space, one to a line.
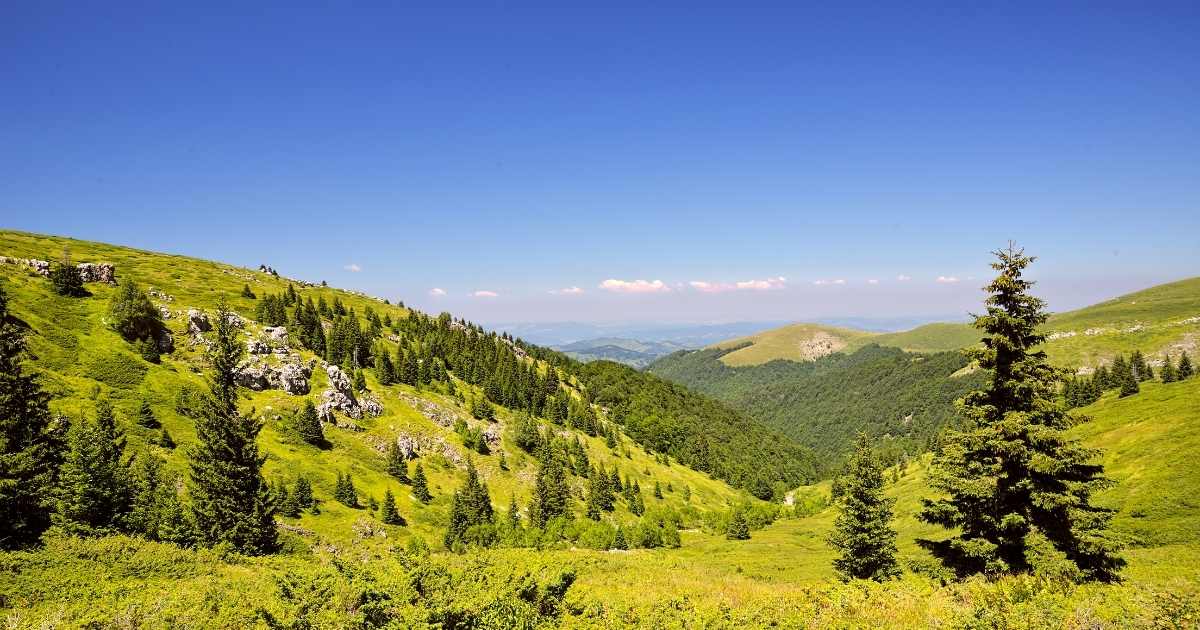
198,321
98,272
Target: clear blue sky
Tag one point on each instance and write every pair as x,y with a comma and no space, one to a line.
524,150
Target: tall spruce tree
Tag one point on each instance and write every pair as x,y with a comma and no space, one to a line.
94,491
387,510
420,485
863,532
308,425
738,529
551,495
1185,368
1017,491
231,502
1167,372
395,463
31,442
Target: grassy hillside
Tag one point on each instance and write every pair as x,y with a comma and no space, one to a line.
81,359
781,577
1164,318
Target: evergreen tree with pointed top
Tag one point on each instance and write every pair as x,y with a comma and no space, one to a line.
1129,383
514,513
657,490
231,502
289,505
247,293
551,495
738,529
619,541
145,415
863,532
303,493
165,440
387,511
94,491
420,485
395,463
1184,371
1167,372
1141,369
308,425
503,461
1016,491
66,277
345,492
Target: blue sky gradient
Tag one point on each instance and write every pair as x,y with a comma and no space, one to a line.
521,150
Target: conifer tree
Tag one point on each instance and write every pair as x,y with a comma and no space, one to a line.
165,440
619,541
1129,383
421,486
503,461
145,416
470,506
593,503
863,532
395,463
657,490
133,316
303,493
66,277
94,486
345,492
289,504
1141,369
1012,480
550,493
231,502
308,425
687,494
387,511
247,293
1167,372
738,528
1185,367
514,513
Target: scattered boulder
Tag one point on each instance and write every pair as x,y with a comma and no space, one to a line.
257,346
435,413
98,272
491,435
165,312
235,320
291,376
198,321
371,406
339,396
252,375
155,293
276,334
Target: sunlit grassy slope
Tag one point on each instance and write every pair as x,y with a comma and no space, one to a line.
1161,319
80,358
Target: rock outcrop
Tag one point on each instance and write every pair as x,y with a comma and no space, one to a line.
339,396
198,321
98,272
290,376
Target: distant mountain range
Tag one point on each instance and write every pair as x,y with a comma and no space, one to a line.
631,352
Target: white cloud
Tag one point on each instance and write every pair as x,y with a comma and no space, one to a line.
822,283
485,294
903,278
634,286
568,291
353,267
769,284
947,279
709,287
437,292
873,281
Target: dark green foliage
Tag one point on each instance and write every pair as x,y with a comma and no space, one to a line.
863,532
1167,372
619,541
145,415
156,510
472,437
503,461
308,426
344,491
1141,369
1011,479
30,442
231,502
526,435
247,293
395,463
551,495
420,485
694,430
66,278
93,497
1128,383
658,490
470,507
148,350
289,505
165,440
483,410
387,511
303,493
133,316
738,528
1184,371
824,403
